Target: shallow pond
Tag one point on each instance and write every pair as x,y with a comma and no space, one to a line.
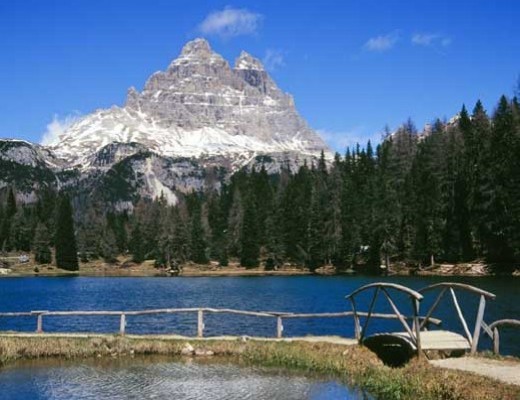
160,378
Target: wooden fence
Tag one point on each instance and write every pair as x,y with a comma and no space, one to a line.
279,316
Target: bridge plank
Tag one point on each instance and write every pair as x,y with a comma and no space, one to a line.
436,340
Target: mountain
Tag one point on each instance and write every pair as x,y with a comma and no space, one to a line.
200,108
199,118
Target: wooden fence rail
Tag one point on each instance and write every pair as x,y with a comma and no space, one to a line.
279,316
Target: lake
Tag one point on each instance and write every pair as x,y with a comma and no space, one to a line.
309,294
161,378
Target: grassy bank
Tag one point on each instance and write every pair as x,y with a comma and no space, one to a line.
351,364
124,266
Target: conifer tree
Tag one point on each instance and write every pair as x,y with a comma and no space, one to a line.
180,238
5,228
109,248
198,243
1,225
249,243
136,244
65,240
41,245
21,232
482,186
234,223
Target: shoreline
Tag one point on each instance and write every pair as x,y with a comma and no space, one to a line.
351,364
125,268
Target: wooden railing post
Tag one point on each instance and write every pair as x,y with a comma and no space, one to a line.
365,325
461,316
279,327
417,326
357,326
200,323
122,324
39,323
496,341
478,324
493,328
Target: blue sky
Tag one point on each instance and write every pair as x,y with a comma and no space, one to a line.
352,65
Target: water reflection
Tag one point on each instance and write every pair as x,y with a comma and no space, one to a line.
153,378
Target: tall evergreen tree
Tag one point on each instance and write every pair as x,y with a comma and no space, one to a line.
5,228
136,244
109,250
41,245
65,240
250,247
198,245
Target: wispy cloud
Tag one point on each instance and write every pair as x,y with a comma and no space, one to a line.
382,43
430,39
340,140
273,59
57,127
231,22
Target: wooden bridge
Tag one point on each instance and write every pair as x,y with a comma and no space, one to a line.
417,338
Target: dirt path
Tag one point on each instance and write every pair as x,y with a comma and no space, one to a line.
502,370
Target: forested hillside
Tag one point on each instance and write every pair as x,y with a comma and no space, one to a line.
449,194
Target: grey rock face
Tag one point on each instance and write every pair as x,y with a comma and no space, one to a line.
199,107
27,166
200,90
113,153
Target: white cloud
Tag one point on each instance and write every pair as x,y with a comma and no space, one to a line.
339,141
57,127
430,39
382,43
231,22
273,59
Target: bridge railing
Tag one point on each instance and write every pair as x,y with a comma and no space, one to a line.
414,330
480,324
200,312
493,327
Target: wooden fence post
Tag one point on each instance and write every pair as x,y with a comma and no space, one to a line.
496,341
357,326
478,324
200,323
417,326
279,327
39,323
122,324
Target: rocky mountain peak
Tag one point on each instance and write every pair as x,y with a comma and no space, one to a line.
132,98
195,52
247,62
198,46
199,108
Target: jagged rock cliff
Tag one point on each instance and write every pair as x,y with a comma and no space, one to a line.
200,107
198,115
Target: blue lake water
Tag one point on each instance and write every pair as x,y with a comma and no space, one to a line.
306,294
154,378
